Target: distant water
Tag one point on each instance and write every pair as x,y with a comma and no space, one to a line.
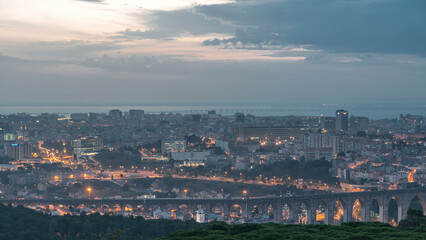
373,111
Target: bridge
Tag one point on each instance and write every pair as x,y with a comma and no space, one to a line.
383,206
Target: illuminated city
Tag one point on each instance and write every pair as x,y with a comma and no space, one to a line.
212,119
113,156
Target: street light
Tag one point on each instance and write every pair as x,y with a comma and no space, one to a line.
185,191
246,207
89,190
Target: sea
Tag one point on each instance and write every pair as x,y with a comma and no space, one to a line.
372,111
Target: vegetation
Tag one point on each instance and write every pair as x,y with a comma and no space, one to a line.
309,170
5,160
121,157
315,170
415,221
21,223
196,185
270,231
57,145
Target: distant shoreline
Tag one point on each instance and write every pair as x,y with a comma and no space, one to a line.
373,111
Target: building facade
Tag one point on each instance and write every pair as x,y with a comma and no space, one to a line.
342,120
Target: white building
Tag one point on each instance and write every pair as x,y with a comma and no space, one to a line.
182,156
323,140
87,146
168,146
190,159
200,216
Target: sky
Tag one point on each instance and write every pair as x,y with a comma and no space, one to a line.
94,52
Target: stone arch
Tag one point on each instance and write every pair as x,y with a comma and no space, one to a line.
81,205
71,208
376,210
183,212
255,210
169,207
201,207
287,212
418,203
184,208
128,208
270,211
106,207
303,213
357,211
339,212
236,211
117,207
394,211
321,213
218,209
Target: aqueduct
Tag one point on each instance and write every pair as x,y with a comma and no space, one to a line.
383,206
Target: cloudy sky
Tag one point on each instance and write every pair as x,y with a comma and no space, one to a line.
84,52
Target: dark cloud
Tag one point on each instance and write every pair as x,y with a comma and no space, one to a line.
212,42
360,51
162,80
394,26
166,24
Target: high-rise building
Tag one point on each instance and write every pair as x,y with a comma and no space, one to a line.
115,114
93,117
20,150
136,114
327,123
358,123
342,120
87,146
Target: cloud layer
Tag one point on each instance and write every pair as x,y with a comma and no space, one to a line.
247,51
396,27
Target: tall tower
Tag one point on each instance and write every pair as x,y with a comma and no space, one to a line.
342,122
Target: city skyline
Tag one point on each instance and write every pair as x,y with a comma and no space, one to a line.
212,119
210,52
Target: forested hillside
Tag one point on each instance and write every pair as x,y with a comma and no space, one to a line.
24,224
412,228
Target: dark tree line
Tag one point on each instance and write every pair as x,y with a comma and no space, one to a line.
411,228
24,224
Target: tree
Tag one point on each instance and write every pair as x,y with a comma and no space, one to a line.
116,235
125,188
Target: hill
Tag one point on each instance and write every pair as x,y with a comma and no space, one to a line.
412,228
25,224
19,223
